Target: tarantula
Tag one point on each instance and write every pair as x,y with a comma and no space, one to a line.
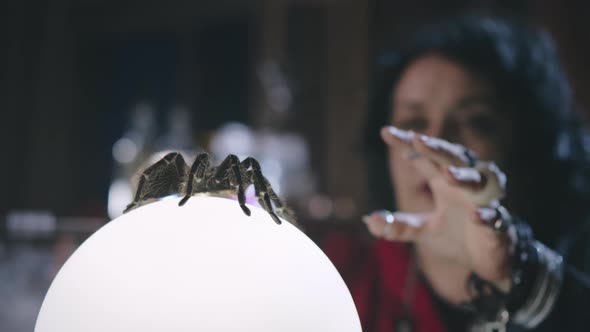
171,175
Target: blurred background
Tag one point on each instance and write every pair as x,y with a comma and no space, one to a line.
92,90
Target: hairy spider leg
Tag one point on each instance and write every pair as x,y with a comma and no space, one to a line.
261,186
280,208
231,164
145,175
197,171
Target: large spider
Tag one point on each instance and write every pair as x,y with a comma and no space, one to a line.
171,175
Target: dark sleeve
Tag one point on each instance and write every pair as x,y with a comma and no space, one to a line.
571,311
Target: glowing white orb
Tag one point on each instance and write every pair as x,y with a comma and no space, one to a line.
202,267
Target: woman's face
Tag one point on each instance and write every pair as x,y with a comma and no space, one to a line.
439,98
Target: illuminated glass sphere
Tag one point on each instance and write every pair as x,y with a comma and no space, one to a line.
202,267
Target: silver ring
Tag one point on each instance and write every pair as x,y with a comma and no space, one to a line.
389,217
502,222
471,157
389,220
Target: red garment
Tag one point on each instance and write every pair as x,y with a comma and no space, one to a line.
376,276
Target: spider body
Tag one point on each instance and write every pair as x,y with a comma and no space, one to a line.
171,175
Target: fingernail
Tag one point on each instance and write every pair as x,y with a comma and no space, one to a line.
412,219
486,215
454,172
429,142
465,174
403,135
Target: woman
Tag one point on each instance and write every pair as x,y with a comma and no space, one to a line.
459,253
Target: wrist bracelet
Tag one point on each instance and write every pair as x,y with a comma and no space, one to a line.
536,279
544,289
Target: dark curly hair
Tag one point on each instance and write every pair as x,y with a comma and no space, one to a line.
547,164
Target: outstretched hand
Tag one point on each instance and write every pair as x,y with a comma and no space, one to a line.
460,230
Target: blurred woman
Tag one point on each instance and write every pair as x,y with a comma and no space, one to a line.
472,142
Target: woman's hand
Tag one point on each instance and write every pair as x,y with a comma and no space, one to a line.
458,234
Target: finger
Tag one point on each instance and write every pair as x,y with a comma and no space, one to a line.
413,224
498,218
379,224
401,139
492,171
425,166
443,152
494,187
494,242
395,226
486,216
466,178
429,155
395,136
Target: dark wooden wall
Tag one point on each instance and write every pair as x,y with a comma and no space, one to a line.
60,73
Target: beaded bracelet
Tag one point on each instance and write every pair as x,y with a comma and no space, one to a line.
544,290
536,277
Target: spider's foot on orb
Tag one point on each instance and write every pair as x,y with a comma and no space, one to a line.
275,218
129,207
246,210
184,200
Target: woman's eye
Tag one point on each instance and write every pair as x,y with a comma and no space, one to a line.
413,123
483,125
